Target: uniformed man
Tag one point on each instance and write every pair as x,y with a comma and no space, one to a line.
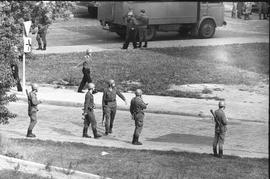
110,105
33,103
86,71
220,129
143,21
89,116
136,109
42,32
262,10
131,30
239,7
15,73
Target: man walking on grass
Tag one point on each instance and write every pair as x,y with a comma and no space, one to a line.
33,102
136,109
89,116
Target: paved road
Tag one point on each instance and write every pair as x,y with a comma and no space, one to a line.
80,33
161,132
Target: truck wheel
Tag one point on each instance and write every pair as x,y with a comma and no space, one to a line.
92,11
207,29
151,33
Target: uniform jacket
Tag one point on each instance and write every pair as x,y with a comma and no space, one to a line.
137,105
15,71
89,102
86,73
131,22
222,121
32,102
109,97
142,20
43,25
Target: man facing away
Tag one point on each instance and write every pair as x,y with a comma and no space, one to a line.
136,109
220,129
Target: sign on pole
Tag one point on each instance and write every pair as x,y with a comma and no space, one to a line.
27,45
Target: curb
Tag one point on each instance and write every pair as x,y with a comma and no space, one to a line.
40,169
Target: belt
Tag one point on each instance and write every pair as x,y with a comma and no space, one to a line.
110,100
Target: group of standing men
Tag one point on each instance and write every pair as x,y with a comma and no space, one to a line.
136,29
245,8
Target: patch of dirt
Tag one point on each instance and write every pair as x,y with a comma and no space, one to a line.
242,93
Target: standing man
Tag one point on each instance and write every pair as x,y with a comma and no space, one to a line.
220,129
86,71
262,10
15,73
89,116
136,109
143,22
131,30
109,104
239,7
33,102
43,26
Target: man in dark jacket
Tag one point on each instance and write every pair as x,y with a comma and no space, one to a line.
220,129
89,116
136,109
42,32
15,73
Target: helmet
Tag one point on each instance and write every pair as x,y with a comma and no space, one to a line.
221,104
34,86
130,13
138,92
111,81
88,51
91,86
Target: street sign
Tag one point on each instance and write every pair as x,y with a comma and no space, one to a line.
27,44
27,26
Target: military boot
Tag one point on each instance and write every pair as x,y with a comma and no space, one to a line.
39,47
215,151
96,135
30,134
85,133
220,153
44,47
140,45
133,139
136,141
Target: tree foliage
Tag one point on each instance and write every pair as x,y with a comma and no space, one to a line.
12,16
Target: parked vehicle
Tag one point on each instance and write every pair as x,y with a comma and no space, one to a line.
196,18
92,7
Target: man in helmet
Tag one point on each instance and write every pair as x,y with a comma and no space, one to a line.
86,71
143,21
131,30
89,116
33,102
43,26
136,109
220,129
109,104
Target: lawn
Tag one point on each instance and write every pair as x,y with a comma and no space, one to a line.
12,174
126,163
154,69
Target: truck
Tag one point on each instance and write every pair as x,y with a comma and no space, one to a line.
193,18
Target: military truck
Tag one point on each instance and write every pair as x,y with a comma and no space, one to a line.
195,18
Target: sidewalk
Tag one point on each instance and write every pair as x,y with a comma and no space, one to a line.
246,108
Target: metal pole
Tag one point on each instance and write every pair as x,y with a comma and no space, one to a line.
23,72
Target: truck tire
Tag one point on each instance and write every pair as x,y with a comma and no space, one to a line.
92,11
151,33
207,29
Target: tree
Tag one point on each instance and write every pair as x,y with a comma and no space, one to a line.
12,16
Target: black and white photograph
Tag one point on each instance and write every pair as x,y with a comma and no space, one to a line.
134,89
